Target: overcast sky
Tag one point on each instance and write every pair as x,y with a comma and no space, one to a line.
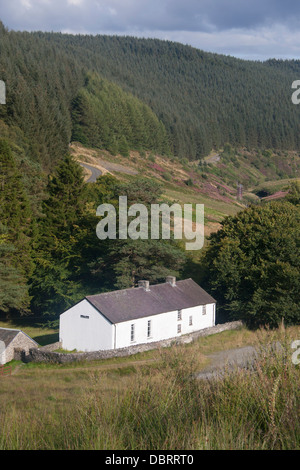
250,29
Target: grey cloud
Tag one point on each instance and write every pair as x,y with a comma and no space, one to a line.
201,23
169,15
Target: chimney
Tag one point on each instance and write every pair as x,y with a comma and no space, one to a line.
171,280
144,284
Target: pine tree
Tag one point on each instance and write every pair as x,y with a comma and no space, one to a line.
65,204
15,211
54,284
13,291
14,205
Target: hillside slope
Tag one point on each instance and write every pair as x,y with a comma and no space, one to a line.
104,116
203,100
212,182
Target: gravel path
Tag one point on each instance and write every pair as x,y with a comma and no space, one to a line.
238,357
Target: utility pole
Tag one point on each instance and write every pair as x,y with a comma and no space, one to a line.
239,191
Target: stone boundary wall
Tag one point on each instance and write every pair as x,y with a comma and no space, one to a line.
46,354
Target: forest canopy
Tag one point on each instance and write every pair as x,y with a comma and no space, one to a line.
106,117
198,100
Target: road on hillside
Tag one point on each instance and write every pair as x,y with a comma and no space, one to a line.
95,172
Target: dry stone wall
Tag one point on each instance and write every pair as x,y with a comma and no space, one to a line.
47,353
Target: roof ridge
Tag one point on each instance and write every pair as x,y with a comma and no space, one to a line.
136,287
9,329
112,292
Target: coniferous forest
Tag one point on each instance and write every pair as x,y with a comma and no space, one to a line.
117,94
201,100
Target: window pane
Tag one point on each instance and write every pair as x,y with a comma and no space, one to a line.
132,333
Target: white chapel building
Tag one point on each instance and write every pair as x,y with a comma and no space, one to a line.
143,314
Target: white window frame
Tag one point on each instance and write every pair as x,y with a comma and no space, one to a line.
203,309
179,315
190,320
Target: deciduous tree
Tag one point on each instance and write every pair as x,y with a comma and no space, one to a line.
253,265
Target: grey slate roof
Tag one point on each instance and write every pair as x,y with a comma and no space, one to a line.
130,304
7,335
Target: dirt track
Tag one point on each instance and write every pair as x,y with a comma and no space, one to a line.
91,161
239,357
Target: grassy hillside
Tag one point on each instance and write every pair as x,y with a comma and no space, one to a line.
182,182
212,182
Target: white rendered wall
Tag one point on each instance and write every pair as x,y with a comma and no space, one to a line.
2,353
160,329
164,326
85,334
199,319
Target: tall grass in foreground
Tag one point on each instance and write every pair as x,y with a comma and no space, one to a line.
166,408
256,408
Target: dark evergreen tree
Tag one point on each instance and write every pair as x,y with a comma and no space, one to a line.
54,284
122,263
13,288
105,116
16,216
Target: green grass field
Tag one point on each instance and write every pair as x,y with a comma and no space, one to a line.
153,400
